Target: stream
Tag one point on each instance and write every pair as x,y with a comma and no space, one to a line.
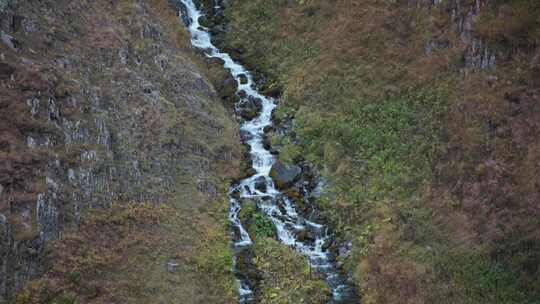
270,201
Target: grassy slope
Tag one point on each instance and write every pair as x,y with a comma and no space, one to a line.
285,276
120,255
420,159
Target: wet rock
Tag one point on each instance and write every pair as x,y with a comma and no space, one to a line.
274,150
243,78
245,135
242,94
250,108
285,175
306,236
250,171
205,21
268,129
260,184
266,143
327,245
235,194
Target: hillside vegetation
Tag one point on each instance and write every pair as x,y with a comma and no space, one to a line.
116,155
423,122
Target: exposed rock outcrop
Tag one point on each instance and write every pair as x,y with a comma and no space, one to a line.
249,108
477,53
285,175
100,103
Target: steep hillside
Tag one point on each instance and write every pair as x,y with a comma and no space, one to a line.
422,118
116,154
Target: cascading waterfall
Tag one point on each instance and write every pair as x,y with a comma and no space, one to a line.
273,203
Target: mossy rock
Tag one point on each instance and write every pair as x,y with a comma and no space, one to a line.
284,176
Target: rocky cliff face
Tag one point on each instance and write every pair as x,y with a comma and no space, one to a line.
463,14
101,102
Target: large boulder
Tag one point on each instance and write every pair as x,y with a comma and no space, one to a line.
243,78
250,108
306,236
285,176
228,88
245,135
260,184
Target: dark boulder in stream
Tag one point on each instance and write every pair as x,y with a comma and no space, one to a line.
285,175
260,184
249,108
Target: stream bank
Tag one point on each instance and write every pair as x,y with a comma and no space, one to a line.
415,128
280,193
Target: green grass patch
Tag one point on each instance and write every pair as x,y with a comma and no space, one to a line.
287,277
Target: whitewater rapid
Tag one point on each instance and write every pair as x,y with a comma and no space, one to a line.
272,202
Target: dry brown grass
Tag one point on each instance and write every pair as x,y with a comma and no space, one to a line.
176,31
483,186
85,263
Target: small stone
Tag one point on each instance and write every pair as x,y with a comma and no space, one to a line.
243,79
268,129
306,236
172,266
267,143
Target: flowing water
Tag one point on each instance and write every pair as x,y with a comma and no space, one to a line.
273,203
